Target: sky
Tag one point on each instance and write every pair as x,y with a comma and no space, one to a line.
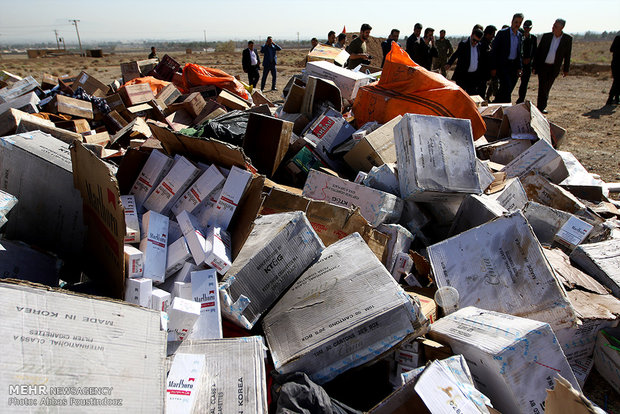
115,20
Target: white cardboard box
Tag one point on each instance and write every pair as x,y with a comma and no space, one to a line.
500,266
138,291
329,322
474,211
156,167
184,382
26,103
160,300
52,339
376,206
132,223
279,248
383,178
154,245
540,157
601,261
134,262
218,250
182,315
199,191
606,358
400,241
512,197
234,376
204,291
513,360
346,80
233,189
180,176
178,254
436,158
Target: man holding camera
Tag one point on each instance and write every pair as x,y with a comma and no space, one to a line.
357,48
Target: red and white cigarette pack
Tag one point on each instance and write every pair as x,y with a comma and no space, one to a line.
180,176
218,252
199,191
134,262
184,382
233,189
154,245
195,238
178,254
182,315
204,291
132,223
160,300
138,291
157,165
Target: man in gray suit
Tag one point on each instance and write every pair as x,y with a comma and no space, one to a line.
552,55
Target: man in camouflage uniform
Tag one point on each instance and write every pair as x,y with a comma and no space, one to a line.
444,50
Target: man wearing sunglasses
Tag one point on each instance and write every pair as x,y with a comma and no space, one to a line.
467,55
506,58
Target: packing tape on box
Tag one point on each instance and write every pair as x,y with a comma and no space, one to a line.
7,142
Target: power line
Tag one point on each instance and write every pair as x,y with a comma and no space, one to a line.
75,23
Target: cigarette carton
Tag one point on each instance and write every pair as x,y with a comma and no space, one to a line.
138,291
217,248
184,382
134,262
160,300
182,290
204,291
182,173
199,191
157,165
154,245
194,236
279,248
178,254
400,240
131,219
231,193
182,315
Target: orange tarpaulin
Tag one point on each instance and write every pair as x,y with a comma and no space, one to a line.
406,87
156,84
196,75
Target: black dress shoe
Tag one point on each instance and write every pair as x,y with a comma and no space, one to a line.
544,111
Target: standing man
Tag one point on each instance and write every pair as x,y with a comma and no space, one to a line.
153,54
427,49
529,51
413,42
386,45
357,48
552,55
614,92
269,50
506,52
251,64
444,50
331,39
484,66
467,54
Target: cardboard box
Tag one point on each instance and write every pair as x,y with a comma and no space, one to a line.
199,191
504,151
130,71
184,382
136,94
79,342
38,124
178,254
607,356
527,122
172,186
235,373
10,120
435,166
134,262
154,245
232,101
318,93
26,103
168,95
402,266
204,291
131,219
156,167
266,142
346,80
326,133
512,197
90,85
382,178
160,300
193,104
475,210
324,329
49,212
541,158
233,190
500,266
327,54
514,368
400,241
139,291
21,261
19,88
279,248
375,149
218,250
601,261
376,206
182,315
70,106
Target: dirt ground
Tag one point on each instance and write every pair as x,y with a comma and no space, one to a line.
577,103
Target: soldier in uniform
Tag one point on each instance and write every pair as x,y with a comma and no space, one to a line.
444,50
529,51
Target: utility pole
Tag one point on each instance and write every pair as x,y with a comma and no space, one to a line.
205,39
297,39
57,43
75,22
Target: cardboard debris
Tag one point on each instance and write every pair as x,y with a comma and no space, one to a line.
601,261
324,328
277,251
346,80
541,158
563,398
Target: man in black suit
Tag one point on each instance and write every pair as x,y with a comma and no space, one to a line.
529,51
614,92
506,56
467,55
552,55
413,42
427,50
251,64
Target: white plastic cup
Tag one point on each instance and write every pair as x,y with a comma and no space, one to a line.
448,298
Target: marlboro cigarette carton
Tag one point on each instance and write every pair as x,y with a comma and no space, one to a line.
160,300
218,253
182,290
180,176
229,198
134,262
131,219
183,383
182,315
155,168
199,191
138,291
205,292
154,245
178,254
195,237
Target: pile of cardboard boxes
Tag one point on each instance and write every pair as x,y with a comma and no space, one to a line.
176,250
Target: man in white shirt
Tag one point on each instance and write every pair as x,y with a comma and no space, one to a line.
251,64
552,55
